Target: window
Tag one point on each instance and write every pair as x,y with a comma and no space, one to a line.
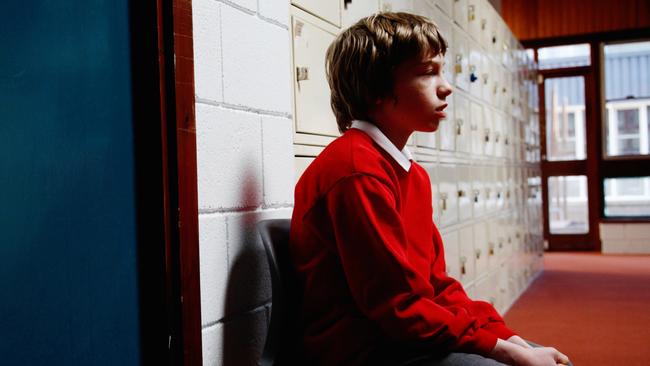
627,94
568,205
627,197
565,118
564,56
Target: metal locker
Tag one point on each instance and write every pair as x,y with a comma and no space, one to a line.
313,113
301,164
480,248
460,13
474,14
463,174
467,254
447,194
460,59
355,10
486,24
462,123
474,72
478,191
488,132
329,11
476,128
446,6
433,178
397,5
452,254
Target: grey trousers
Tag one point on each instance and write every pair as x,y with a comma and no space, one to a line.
457,359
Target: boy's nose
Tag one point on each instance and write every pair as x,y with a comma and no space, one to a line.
444,89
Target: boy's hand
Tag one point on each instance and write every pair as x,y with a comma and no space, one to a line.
518,340
541,356
514,354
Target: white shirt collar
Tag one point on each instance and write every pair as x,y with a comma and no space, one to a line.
403,158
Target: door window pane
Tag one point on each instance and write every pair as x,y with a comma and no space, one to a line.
565,118
627,94
568,205
564,56
627,197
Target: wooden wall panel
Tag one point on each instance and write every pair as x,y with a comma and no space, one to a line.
536,19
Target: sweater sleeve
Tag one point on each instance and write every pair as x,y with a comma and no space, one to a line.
371,242
451,293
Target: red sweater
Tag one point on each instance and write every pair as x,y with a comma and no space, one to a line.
371,261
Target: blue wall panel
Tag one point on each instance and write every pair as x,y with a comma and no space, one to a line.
68,276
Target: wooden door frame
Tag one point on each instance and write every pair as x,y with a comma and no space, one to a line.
573,167
598,168
166,189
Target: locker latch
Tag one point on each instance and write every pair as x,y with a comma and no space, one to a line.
483,24
443,200
461,193
485,79
478,253
458,67
302,73
462,265
459,126
487,135
491,248
471,13
476,195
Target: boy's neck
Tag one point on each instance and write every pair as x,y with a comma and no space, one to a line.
397,136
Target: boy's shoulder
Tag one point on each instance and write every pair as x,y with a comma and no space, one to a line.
353,153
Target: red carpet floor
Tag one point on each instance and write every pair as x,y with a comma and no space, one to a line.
594,308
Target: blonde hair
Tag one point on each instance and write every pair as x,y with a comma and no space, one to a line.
361,60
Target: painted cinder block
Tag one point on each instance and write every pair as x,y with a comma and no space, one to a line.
277,10
244,337
638,231
212,345
229,158
250,5
256,62
206,23
612,231
277,151
213,259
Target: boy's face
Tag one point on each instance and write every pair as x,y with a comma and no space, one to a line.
419,93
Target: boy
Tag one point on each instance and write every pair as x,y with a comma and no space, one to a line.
363,242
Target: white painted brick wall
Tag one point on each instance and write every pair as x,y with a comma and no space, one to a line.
245,165
628,238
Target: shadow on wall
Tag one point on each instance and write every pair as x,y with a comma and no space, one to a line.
248,295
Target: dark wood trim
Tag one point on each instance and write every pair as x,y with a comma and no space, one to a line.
626,220
625,168
613,36
157,308
573,167
593,129
566,72
188,216
571,242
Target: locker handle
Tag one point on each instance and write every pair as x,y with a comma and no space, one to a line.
477,193
459,126
478,253
302,73
443,198
485,79
483,24
491,248
487,135
471,13
461,193
462,265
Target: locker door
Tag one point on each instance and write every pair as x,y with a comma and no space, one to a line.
476,128
460,59
463,173
480,248
447,194
486,77
460,13
498,134
452,254
492,244
355,10
478,191
474,76
446,28
313,113
489,172
447,130
474,13
500,186
329,11
433,178
446,6
487,23
463,123
488,132
467,254
397,5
